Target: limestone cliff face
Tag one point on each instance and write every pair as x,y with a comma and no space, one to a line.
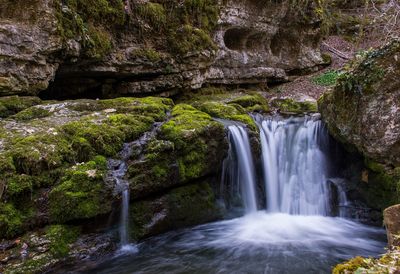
259,42
155,47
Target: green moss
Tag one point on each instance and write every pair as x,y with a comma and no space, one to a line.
189,39
328,78
349,266
19,183
251,103
98,44
47,158
10,105
374,166
149,54
33,154
182,206
229,112
153,13
11,220
31,113
60,237
383,188
81,193
365,72
91,21
288,105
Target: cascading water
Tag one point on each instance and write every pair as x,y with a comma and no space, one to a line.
294,165
245,175
295,235
118,171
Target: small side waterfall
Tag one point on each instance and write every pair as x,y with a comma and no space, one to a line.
295,167
118,171
242,174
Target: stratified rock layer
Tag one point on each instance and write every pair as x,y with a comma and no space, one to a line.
100,51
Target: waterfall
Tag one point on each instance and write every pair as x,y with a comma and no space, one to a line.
241,173
119,169
294,166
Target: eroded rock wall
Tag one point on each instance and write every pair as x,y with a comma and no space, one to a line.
152,48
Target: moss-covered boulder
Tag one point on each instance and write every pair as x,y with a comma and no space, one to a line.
292,107
10,105
184,206
81,193
189,146
40,180
362,109
362,112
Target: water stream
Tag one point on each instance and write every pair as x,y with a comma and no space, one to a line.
296,233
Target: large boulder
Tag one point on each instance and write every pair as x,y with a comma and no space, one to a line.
362,111
363,108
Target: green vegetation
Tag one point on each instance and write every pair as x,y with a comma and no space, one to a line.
149,54
60,237
90,20
193,133
81,193
288,105
328,78
366,71
11,105
11,221
191,204
42,152
388,263
233,112
187,26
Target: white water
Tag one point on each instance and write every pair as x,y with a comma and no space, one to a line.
295,167
293,236
122,187
259,242
246,174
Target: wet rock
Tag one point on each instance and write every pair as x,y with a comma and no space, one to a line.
391,217
183,206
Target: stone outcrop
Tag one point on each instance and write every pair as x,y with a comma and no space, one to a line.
391,217
59,50
362,110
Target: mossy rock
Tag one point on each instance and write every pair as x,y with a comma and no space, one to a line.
350,266
90,22
11,220
11,105
198,139
47,247
230,111
81,193
290,106
189,146
252,103
184,206
42,152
